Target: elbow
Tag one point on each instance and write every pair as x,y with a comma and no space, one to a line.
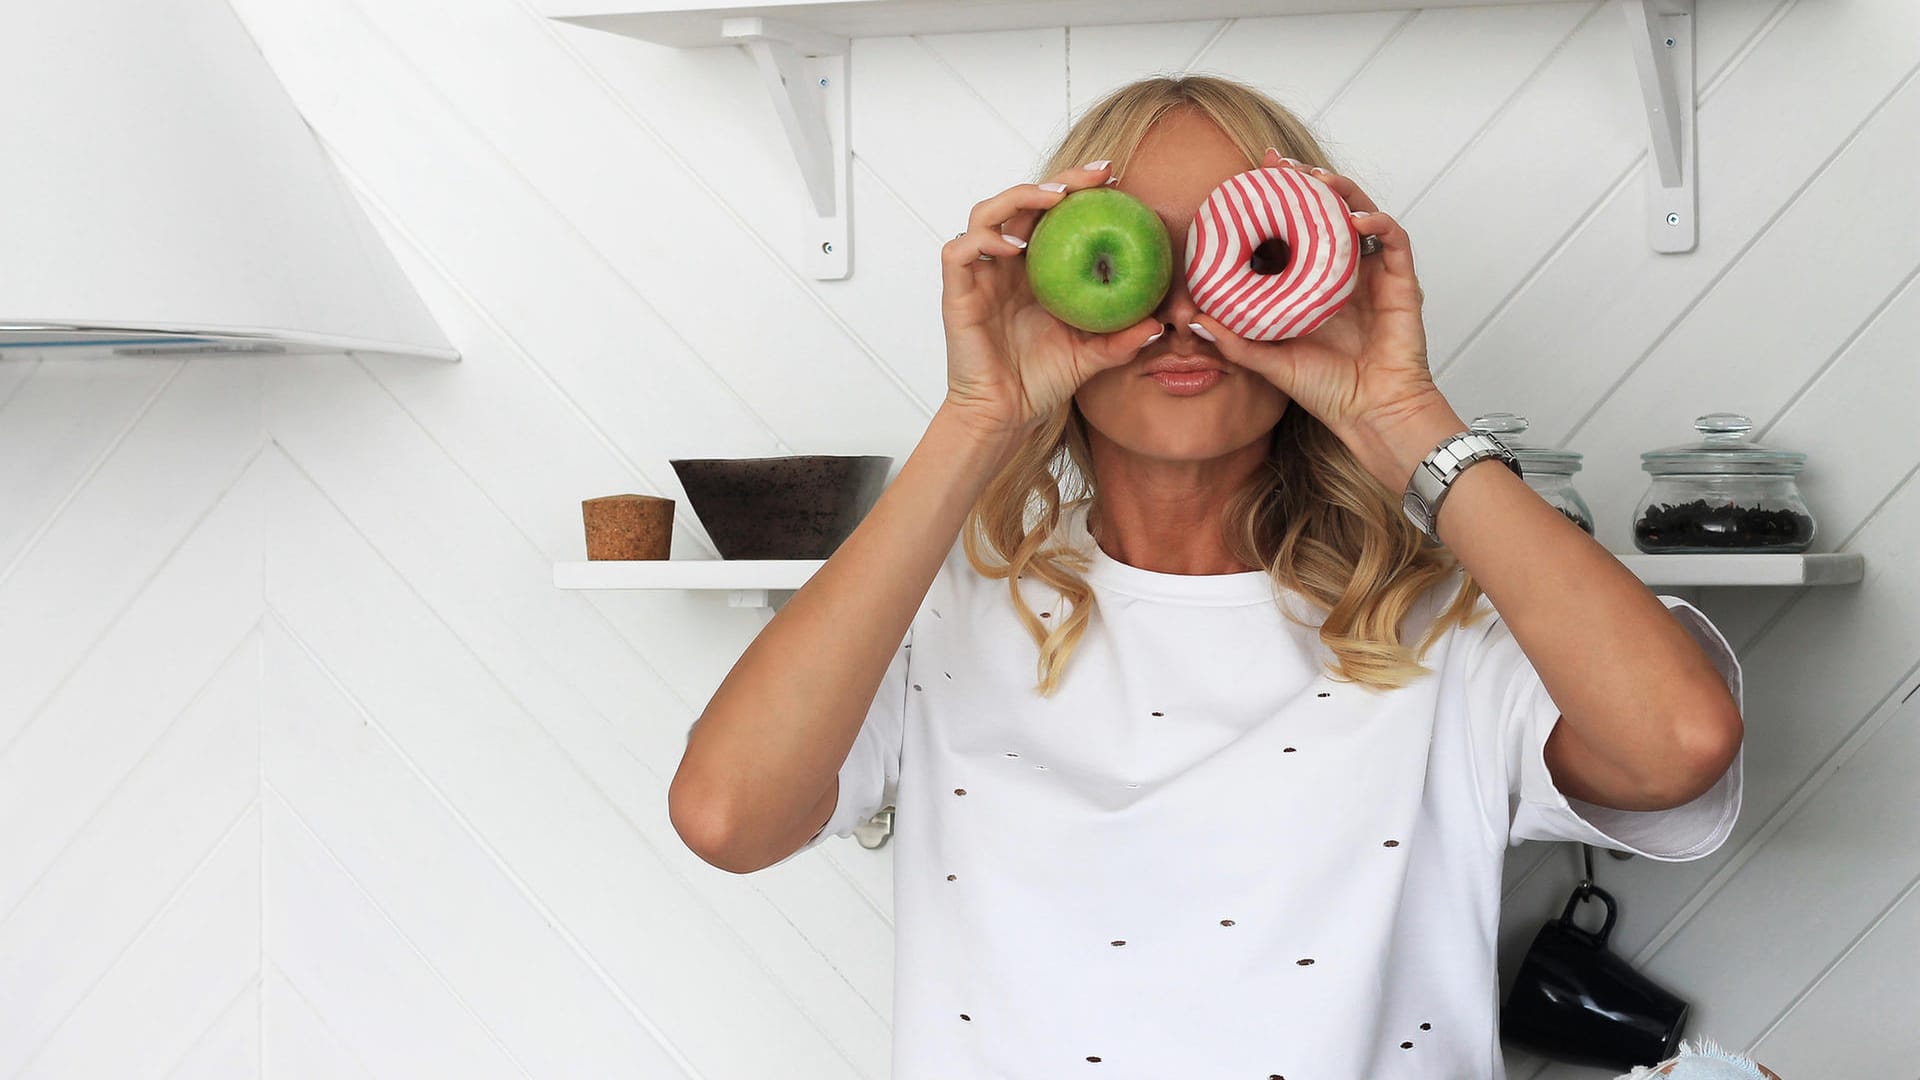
701,823
701,815
1713,745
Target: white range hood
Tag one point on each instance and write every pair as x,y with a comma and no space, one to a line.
160,193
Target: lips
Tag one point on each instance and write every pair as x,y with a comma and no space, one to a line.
1180,364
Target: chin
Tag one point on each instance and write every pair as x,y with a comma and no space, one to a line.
1136,412
1185,433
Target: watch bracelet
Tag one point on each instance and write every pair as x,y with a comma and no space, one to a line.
1490,447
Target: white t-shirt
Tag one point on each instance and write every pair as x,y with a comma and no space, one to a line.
1203,856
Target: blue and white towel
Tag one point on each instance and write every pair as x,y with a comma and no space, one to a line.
1705,1061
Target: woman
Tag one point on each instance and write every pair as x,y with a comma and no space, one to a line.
1177,799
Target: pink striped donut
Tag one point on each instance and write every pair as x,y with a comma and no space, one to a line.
1249,209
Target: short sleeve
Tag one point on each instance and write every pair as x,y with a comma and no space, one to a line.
1510,716
871,772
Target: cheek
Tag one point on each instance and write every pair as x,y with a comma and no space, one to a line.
1099,398
1259,400
1111,385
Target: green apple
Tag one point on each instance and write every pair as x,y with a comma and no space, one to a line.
1099,260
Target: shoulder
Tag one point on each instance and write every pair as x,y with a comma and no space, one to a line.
956,584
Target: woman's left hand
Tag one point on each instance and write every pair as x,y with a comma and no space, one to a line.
1367,364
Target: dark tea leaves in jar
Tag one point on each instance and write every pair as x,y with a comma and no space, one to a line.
1698,525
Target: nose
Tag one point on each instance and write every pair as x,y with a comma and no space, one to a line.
1177,308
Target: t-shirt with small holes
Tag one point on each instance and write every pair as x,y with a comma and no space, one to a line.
1204,857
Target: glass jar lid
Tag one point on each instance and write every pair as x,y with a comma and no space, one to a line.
1723,449
1507,427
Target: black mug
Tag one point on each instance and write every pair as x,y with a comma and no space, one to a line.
1574,1001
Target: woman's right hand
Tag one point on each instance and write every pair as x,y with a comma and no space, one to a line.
1010,362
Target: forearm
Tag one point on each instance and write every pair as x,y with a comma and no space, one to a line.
1631,681
779,727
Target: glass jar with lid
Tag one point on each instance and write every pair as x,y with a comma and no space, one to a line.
1548,471
1722,493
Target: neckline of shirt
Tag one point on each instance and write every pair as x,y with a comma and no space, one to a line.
1105,571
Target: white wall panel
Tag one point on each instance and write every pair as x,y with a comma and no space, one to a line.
179,975
295,1042
230,1046
166,649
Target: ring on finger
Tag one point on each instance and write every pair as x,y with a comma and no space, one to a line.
1369,245
984,257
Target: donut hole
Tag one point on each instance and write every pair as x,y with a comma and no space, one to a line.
1271,256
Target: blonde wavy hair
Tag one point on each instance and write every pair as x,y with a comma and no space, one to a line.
1320,524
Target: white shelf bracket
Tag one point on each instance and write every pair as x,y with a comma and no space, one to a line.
1660,33
805,73
772,599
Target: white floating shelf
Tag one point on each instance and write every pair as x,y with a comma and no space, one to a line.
747,581
692,25
801,49
1835,568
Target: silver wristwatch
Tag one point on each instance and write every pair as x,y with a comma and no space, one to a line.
1433,477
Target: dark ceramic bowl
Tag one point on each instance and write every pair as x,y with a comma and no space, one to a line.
794,507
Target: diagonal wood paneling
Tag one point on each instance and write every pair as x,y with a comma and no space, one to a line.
374,799
230,1046
1395,142
1761,367
542,779
1572,136
1100,58
1782,913
1770,123
1724,359
597,341
1859,1016
129,515
1304,62
185,968
1020,75
333,942
61,417
85,932
156,655
588,171
296,1042
391,829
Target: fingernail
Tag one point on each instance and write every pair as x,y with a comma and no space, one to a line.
1157,335
1319,170
1200,332
1014,240
1096,166
1275,151
1295,164
1053,187
1360,213
1113,180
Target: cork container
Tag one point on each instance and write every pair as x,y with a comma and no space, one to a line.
628,526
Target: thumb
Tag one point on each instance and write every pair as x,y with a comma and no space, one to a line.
1122,346
1258,355
1230,345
